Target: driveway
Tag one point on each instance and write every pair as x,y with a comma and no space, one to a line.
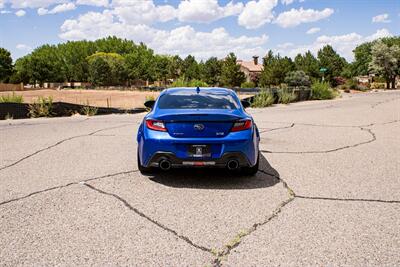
327,193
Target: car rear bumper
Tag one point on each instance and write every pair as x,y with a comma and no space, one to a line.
243,145
195,162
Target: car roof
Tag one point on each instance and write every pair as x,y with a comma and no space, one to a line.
210,90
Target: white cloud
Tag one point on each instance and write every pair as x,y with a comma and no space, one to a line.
57,9
142,12
93,2
146,12
24,47
287,2
257,13
313,30
206,10
34,3
296,17
182,40
384,18
343,44
20,13
5,12
1,3
285,45
379,34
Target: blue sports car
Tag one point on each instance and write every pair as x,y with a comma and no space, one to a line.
198,127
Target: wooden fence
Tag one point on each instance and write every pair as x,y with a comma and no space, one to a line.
11,87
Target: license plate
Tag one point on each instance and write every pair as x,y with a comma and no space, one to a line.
199,151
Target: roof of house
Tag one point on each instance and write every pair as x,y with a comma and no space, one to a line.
250,65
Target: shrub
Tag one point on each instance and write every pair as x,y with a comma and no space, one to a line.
150,97
376,85
197,83
247,85
285,97
88,110
352,84
263,99
322,90
13,98
41,108
297,78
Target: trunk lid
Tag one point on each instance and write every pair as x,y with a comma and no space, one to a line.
199,123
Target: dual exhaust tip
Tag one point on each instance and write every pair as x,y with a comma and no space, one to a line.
165,164
232,164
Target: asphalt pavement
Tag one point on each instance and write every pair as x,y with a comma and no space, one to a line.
327,193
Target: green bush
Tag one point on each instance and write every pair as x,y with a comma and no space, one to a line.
89,110
149,97
13,98
285,97
322,90
181,82
263,99
376,85
247,85
352,84
297,78
41,108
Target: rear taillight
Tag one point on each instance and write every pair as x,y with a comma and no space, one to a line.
156,125
241,125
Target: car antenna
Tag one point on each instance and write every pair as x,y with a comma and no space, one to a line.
198,89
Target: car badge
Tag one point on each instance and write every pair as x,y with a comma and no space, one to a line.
198,127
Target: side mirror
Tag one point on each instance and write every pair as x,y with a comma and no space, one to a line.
149,104
245,103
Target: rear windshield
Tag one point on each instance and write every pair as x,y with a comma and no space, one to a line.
182,100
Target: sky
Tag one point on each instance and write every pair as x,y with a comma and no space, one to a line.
202,28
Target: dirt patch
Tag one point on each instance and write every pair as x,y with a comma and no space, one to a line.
98,98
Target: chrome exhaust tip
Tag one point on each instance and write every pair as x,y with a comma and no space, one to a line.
232,164
165,165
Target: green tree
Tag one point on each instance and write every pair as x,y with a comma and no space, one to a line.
21,71
44,65
106,69
275,69
140,63
332,61
230,73
385,61
161,68
6,66
363,57
174,67
307,63
190,68
211,72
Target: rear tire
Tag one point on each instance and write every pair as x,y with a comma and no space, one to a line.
251,170
144,170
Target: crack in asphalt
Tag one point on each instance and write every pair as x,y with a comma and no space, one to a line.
384,102
217,262
226,250
60,142
66,185
372,139
279,128
141,214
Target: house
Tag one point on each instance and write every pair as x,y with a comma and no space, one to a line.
252,69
